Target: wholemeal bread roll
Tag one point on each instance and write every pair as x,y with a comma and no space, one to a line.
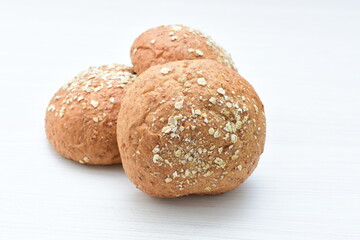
190,127
172,43
81,117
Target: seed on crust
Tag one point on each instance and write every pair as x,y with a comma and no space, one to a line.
221,91
201,81
199,52
94,103
165,70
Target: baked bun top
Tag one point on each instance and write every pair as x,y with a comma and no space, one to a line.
190,127
172,43
81,117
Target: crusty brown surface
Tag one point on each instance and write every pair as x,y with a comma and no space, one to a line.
81,118
172,43
190,127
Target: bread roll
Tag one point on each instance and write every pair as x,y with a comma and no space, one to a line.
81,117
190,127
172,43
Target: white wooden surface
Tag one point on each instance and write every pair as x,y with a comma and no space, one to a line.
303,58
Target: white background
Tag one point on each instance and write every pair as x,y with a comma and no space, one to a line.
302,57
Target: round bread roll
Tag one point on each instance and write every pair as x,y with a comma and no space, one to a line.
81,117
190,127
172,43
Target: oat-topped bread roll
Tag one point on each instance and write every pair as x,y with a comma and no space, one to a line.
190,127
173,43
81,117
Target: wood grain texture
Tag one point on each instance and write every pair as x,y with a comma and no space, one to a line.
303,60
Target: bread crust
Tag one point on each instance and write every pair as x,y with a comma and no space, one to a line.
81,118
172,43
190,127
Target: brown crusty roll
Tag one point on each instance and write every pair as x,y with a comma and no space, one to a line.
190,127
81,117
172,43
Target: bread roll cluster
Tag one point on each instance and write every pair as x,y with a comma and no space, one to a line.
182,121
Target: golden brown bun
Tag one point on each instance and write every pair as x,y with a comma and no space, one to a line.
190,127
172,43
81,117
